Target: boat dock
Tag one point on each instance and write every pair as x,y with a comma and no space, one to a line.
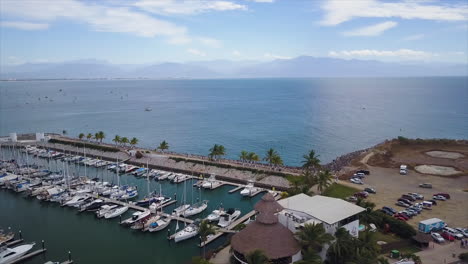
236,189
30,255
229,228
15,242
257,192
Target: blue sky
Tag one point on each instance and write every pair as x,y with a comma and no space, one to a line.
149,31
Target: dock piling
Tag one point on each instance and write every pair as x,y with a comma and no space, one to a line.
43,246
20,235
69,256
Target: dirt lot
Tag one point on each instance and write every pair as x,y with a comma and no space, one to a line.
390,185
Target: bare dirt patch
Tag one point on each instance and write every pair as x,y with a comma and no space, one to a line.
445,154
436,170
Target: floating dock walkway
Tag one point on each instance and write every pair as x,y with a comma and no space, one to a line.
30,255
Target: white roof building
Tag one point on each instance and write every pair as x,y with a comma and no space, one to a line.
325,209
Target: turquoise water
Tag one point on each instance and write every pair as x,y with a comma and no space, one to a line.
332,116
93,240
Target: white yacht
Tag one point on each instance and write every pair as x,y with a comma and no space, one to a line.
186,233
195,209
227,218
105,209
214,216
9,255
116,212
137,216
249,189
180,178
211,183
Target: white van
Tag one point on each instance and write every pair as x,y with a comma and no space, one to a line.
427,205
403,169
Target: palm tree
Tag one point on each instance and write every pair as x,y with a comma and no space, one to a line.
257,257
277,160
324,180
366,217
101,135
310,256
344,247
81,136
313,236
244,155
134,141
116,139
252,156
124,141
217,151
311,161
221,151
205,229
163,146
89,136
96,136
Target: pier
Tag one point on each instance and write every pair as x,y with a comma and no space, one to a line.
236,189
30,255
15,242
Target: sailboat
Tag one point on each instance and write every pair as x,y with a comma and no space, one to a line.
195,208
116,212
179,210
188,232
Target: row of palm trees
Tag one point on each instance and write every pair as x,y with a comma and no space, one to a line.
217,151
98,136
123,141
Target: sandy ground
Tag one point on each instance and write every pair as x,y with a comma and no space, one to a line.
436,170
390,185
441,253
445,154
222,257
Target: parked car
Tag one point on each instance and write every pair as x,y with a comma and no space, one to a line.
447,236
446,195
402,216
359,175
366,172
352,199
409,197
356,181
463,231
370,190
362,194
400,203
390,209
425,185
405,201
437,238
439,197
417,196
407,214
434,202
453,232
386,212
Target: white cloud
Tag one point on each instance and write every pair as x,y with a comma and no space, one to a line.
373,30
196,52
98,17
186,7
210,42
414,37
262,1
339,11
24,25
406,54
236,53
274,56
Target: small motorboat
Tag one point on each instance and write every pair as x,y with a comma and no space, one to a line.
227,218
9,255
105,209
249,189
116,212
214,216
137,216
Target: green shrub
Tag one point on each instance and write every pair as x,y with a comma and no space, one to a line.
403,140
398,227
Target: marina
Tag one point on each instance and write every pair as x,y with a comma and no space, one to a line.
63,163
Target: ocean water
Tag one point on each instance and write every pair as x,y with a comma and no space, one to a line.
332,116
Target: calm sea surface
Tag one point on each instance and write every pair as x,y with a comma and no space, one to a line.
332,116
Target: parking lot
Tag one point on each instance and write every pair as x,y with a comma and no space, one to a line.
390,185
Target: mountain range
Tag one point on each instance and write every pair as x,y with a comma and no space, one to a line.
299,67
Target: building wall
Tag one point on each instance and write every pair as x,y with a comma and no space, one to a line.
353,228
